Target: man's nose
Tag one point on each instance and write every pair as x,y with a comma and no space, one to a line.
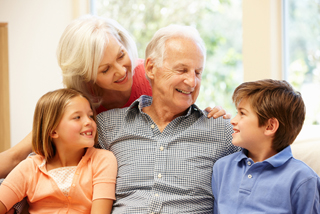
190,78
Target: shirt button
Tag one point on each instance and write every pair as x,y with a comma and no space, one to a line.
152,126
249,163
159,175
249,176
156,194
73,185
161,148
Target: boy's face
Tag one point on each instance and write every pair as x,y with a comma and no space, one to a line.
247,133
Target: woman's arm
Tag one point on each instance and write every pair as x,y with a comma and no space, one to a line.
103,206
13,156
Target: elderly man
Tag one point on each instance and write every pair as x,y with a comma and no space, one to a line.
165,145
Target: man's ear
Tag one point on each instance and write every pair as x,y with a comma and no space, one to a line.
272,126
150,68
54,134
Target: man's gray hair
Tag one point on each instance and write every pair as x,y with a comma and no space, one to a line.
156,49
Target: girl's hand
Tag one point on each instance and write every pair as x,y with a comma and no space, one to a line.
216,112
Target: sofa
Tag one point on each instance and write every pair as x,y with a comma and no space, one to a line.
307,147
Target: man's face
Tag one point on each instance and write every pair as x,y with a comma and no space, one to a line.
177,83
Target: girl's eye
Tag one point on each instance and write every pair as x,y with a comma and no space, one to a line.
91,116
77,117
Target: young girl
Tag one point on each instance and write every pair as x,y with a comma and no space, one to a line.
67,175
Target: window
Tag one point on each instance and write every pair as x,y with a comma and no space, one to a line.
219,23
302,52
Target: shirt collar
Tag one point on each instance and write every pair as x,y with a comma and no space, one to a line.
277,160
144,101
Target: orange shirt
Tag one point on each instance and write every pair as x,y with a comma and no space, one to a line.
95,178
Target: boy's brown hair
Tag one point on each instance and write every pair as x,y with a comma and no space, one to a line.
47,115
274,99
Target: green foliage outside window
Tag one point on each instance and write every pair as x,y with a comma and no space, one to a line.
303,38
219,23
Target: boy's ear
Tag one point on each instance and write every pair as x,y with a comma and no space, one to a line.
272,126
149,68
54,134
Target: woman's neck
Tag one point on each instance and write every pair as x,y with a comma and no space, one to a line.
115,99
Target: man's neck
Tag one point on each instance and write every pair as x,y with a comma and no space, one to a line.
162,116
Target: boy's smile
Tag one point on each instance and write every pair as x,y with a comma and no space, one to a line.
247,133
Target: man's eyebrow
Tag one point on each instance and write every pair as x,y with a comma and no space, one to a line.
184,65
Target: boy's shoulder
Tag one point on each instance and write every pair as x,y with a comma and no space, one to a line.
300,168
228,159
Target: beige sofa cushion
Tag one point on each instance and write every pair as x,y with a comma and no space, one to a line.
307,147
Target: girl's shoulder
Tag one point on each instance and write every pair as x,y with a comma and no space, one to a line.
101,154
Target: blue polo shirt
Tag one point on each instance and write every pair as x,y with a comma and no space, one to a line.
280,184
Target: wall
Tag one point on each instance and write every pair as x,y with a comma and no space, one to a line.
34,29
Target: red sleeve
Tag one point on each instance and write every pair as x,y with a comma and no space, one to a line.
141,85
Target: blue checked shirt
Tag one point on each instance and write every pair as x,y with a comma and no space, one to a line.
168,172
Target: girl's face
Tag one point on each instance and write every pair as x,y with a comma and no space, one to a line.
77,128
115,72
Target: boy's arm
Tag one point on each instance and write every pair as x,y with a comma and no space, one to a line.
13,156
306,198
103,206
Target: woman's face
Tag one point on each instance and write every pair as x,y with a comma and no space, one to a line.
115,72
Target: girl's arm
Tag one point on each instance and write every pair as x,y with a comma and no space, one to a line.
13,156
3,208
103,206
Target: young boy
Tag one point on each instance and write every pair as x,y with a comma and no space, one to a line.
264,177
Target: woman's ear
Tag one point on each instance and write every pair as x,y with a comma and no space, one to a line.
149,69
272,126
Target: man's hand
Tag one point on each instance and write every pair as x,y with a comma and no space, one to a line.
216,112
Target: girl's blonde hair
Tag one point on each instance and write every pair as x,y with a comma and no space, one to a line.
47,115
81,49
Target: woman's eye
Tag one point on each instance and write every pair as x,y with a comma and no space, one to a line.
105,71
122,55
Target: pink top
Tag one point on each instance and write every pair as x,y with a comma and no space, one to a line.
95,178
140,86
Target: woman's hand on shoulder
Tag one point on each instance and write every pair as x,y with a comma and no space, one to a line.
217,111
